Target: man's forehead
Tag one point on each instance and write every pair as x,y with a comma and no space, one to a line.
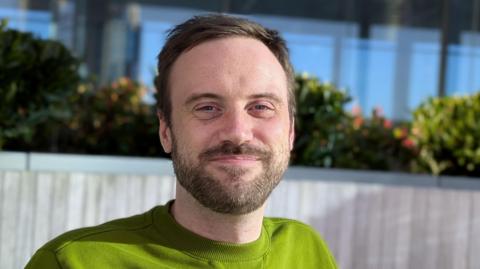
229,50
228,66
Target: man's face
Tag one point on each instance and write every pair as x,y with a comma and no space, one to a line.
230,133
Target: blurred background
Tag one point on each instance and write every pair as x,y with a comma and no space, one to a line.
392,54
390,86
389,64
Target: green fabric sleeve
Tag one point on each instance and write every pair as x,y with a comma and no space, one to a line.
155,240
43,259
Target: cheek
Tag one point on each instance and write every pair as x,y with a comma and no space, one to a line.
274,133
194,138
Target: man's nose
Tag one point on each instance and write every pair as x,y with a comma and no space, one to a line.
236,127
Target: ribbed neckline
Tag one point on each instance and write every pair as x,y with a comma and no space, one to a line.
187,241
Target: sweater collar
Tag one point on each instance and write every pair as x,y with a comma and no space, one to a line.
184,240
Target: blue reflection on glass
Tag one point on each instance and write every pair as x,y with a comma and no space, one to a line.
423,73
311,53
37,22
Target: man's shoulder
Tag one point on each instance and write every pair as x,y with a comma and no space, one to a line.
292,240
275,224
282,230
108,229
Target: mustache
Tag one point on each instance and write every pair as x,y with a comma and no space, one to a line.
228,148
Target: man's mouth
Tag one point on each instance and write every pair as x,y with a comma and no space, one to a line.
235,159
230,155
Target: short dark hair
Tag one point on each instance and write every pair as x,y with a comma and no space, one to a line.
204,28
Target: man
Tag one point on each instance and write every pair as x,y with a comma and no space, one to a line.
226,110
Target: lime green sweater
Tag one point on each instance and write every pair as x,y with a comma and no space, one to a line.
155,240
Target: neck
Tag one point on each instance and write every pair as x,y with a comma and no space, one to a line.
216,226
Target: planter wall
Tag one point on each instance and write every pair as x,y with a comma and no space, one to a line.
370,219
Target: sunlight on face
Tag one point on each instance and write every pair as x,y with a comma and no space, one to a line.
231,131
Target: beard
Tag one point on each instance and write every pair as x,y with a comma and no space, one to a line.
229,194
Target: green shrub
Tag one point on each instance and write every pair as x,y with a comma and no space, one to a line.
447,133
320,122
37,77
375,143
112,120
329,136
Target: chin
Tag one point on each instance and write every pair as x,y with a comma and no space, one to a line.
235,174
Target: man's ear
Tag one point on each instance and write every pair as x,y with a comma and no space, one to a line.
291,133
165,133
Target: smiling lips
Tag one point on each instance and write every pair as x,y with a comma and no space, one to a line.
230,154
235,159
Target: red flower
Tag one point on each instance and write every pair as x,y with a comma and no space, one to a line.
408,143
357,122
387,124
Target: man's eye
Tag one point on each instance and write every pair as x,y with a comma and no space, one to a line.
206,112
261,107
262,110
206,108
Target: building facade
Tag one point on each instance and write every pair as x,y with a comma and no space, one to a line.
389,54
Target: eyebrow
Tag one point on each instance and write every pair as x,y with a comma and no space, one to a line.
195,97
270,96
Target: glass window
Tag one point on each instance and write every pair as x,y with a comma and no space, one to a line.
384,53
